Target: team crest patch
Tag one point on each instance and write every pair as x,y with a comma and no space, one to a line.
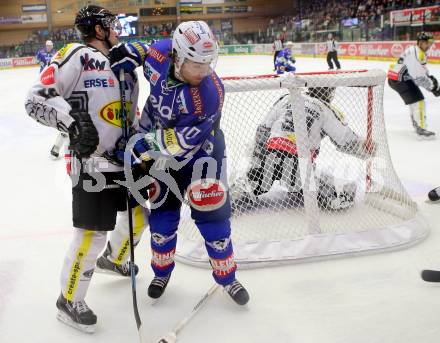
207,195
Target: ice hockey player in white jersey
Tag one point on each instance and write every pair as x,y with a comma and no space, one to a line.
408,75
275,155
78,94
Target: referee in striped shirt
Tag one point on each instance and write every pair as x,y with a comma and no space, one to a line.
332,52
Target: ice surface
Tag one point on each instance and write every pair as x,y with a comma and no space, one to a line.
378,298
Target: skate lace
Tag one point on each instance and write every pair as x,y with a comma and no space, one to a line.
81,306
160,281
234,287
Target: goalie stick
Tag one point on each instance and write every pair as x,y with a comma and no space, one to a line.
171,337
431,275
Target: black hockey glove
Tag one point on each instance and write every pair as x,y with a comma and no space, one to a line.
83,135
435,89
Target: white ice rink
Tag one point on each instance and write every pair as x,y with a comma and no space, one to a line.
371,299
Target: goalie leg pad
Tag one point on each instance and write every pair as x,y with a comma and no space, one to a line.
330,198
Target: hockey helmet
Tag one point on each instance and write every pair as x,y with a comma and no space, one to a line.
425,36
49,43
325,94
194,41
92,15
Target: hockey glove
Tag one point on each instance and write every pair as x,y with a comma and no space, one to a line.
83,135
143,150
127,56
435,88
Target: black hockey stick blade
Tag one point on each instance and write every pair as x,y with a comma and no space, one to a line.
431,275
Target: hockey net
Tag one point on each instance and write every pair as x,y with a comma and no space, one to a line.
343,201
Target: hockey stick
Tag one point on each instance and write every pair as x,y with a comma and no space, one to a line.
125,124
171,337
431,275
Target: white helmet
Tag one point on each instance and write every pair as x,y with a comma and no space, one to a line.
193,40
49,43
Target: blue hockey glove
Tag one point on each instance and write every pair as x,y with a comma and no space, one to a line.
127,56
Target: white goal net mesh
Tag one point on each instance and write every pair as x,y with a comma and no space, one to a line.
309,170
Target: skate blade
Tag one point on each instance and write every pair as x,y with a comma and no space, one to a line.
110,272
64,318
426,138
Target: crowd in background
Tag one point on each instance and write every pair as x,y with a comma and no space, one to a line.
312,16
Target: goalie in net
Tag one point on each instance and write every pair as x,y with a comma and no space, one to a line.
275,156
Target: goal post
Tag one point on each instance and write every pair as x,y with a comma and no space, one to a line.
320,183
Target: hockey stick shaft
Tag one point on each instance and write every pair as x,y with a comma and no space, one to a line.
125,124
431,275
179,327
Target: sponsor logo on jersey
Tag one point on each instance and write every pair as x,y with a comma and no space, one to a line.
111,113
47,77
223,267
197,100
99,82
157,55
162,260
191,36
60,53
170,141
207,195
152,74
91,64
220,91
181,103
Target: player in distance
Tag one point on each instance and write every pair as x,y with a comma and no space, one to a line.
275,154
408,75
45,55
181,123
284,61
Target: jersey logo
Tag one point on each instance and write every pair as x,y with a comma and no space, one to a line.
197,100
157,55
112,113
60,53
47,77
152,74
207,195
99,82
91,64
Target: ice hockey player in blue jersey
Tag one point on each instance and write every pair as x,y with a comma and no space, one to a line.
181,123
284,62
45,55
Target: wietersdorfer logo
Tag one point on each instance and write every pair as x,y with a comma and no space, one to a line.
111,113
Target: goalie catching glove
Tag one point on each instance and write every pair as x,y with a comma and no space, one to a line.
83,136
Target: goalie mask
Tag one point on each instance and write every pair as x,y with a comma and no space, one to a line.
194,41
325,94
